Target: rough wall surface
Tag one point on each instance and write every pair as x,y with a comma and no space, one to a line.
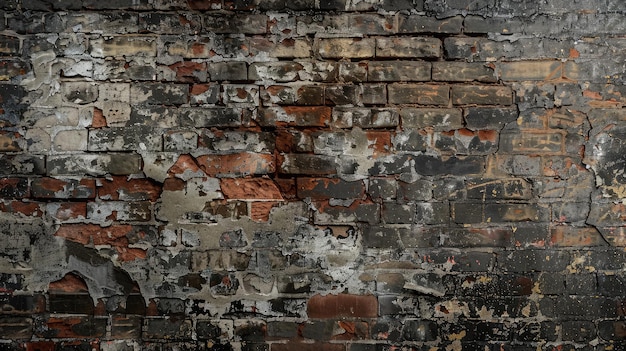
342,175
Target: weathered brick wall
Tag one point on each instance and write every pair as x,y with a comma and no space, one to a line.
343,175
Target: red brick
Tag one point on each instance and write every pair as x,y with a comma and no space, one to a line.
122,188
245,163
342,305
250,189
287,187
125,327
260,211
75,327
308,164
15,328
9,45
299,116
52,188
423,94
125,254
14,188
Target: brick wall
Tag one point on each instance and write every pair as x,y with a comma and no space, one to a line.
342,175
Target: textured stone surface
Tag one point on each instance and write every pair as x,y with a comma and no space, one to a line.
344,175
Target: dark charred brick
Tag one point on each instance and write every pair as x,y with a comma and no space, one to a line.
551,283
420,236
21,303
373,94
282,329
341,95
382,237
433,166
578,331
398,213
167,328
294,345
308,164
242,23
255,346
72,327
586,307
10,282
82,304
411,141
323,188
467,261
382,188
266,239
581,284
9,45
207,330
534,331
611,285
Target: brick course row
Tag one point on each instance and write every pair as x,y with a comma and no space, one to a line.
337,175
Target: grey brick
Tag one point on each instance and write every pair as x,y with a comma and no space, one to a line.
232,71
414,47
94,164
159,94
138,138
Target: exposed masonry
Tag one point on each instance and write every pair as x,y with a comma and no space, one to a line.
342,175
